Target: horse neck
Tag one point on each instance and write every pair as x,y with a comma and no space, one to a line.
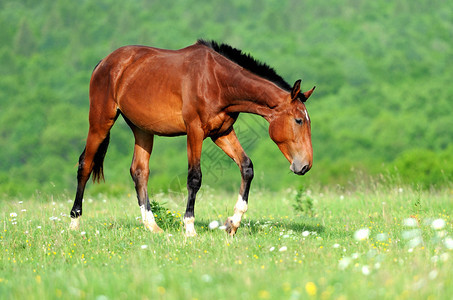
252,94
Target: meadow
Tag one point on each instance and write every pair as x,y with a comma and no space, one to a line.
382,106
373,242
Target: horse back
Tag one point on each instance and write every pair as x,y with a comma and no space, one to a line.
155,89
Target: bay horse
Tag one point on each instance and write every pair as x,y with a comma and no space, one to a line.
197,91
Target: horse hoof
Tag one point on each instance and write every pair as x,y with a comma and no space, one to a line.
190,233
157,230
75,224
189,226
230,228
154,228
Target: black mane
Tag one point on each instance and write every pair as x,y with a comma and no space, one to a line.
247,62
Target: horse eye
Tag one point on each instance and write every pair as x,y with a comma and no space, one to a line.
299,121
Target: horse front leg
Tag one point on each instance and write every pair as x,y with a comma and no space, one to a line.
230,145
193,185
194,145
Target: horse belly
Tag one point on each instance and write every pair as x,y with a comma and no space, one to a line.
160,116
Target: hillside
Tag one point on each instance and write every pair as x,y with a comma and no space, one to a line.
383,103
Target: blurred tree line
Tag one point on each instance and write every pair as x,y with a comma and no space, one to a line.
383,103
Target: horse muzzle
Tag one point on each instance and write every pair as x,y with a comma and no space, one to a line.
300,168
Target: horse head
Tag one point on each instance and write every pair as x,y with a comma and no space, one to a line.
290,129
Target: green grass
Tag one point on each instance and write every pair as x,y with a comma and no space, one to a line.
278,253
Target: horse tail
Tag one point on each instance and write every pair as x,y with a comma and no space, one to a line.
102,117
98,161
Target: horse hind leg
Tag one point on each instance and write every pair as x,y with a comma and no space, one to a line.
91,159
140,173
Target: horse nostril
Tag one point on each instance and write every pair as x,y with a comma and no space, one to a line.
305,169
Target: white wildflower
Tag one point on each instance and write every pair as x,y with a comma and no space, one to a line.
83,233
213,225
410,234
144,246
361,234
419,284
336,246
305,233
433,274
438,224
13,215
415,242
410,222
283,249
344,263
206,278
272,249
382,237
365,270
448,242
371,253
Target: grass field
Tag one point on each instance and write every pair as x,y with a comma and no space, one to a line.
370,243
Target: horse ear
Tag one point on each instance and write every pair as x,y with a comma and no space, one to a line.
307,94
296,90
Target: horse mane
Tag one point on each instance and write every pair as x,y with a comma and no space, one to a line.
247,62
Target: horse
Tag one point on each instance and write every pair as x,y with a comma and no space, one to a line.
198,91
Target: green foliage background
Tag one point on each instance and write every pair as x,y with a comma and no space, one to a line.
383,103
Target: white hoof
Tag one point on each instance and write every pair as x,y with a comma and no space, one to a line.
75,224
153,227
190,233
190,228
149,221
